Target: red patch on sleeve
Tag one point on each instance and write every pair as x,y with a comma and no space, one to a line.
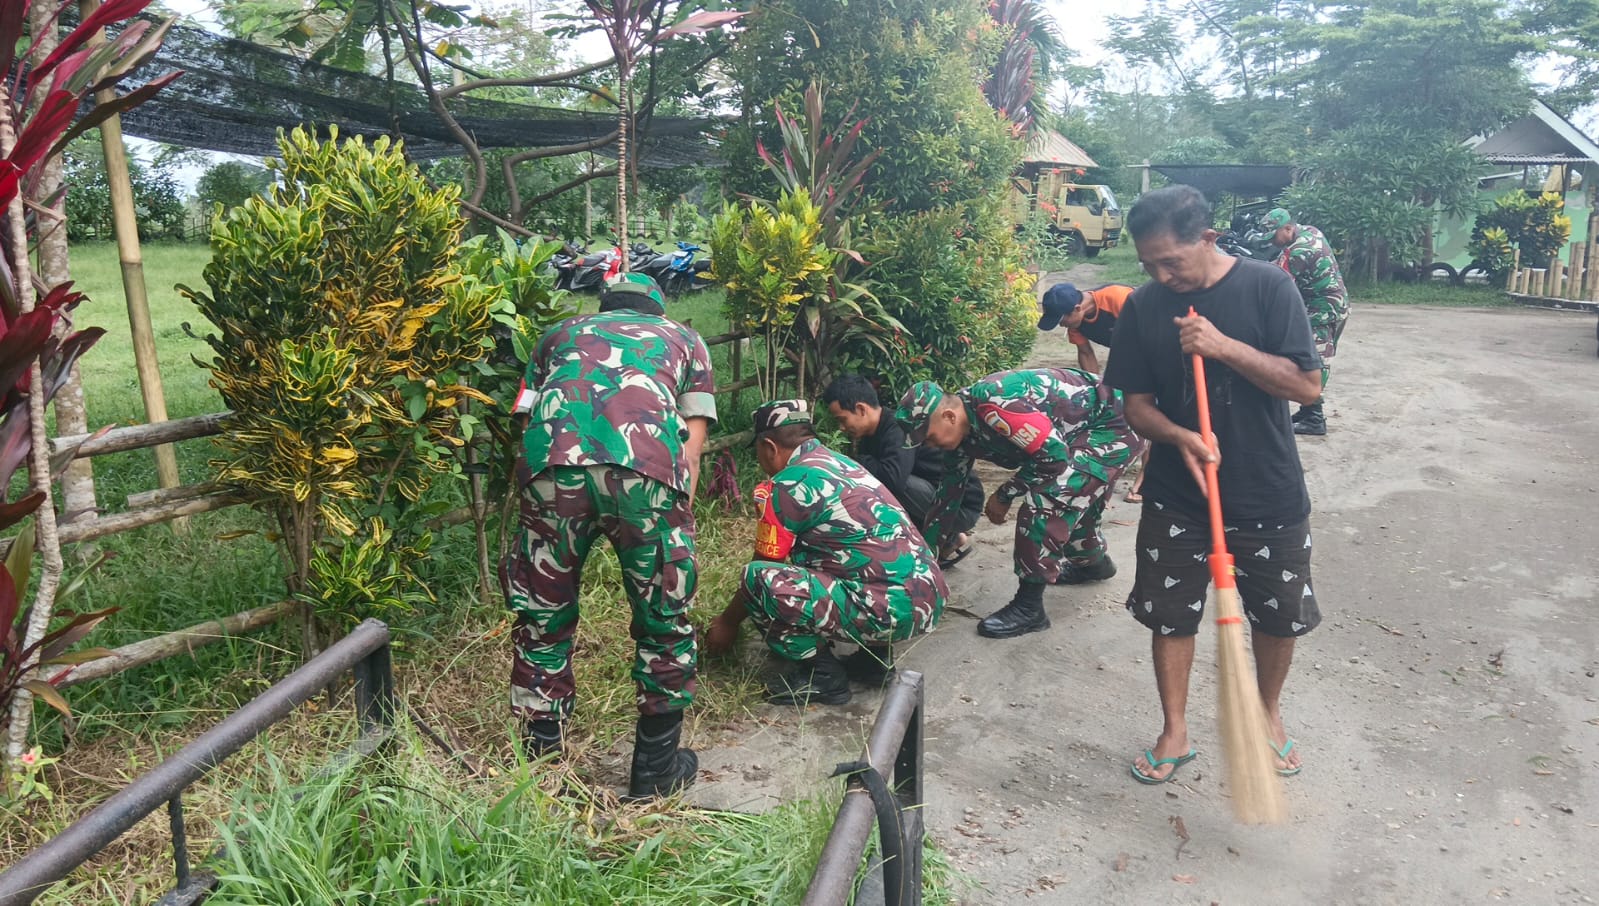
773,540
1027,430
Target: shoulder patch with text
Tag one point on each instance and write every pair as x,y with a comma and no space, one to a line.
1027,430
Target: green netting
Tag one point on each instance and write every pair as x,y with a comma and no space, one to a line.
235,95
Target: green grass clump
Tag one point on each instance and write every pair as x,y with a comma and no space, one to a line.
400,830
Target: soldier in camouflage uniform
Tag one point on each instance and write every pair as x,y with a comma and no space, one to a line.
1062,430
1308,258
618,404
837,559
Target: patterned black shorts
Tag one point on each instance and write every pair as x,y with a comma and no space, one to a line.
1272,564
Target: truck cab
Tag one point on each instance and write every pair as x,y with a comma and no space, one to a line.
1084,219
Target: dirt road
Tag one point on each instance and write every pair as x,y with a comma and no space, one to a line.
1447,710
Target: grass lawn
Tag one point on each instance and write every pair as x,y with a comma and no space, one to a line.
451,665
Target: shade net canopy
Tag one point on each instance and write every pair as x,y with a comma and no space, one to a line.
1244,180
234,96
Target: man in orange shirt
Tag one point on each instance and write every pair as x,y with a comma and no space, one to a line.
1089,316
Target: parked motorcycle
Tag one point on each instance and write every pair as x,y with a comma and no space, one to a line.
685,272
579,270
1247,245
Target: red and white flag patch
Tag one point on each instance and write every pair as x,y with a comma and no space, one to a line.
1027,430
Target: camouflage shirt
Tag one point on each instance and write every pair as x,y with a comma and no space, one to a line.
1309,260
847,525
616,388
1032,421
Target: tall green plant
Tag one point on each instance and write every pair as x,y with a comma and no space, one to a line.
770,260
842,312
345,331
527,303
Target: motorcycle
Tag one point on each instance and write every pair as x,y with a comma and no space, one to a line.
684,271
578,270
643,259
1247,245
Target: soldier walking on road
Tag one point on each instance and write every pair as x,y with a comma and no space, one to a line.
1062,430
619,404
837,559
1308,258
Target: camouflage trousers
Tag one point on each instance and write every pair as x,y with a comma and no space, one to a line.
1063,526
565,509
1326,326
796,609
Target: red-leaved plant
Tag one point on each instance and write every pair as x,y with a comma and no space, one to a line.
42,95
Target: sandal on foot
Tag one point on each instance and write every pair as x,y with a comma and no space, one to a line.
960,553
1282,753
1134,497
1157,763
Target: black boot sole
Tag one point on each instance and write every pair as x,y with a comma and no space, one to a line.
1304,430
1011,632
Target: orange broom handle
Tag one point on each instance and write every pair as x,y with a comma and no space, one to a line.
1221,562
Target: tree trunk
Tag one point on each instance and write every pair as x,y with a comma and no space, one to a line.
77,482
49,545
623,130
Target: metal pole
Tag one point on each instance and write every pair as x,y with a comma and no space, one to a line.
126,224
180,839
834,881
57,857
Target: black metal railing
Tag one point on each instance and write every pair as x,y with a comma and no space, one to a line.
365,651
894,755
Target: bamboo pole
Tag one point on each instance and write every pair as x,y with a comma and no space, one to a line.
1574,287
1515,271
161,647
90,530
125,223
138,437
1557,277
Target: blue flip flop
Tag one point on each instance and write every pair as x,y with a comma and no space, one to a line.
1156,763
1283,754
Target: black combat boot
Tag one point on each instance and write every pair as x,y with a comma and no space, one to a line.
1300,413
1313,424
1098,571
660,768
819,679
541,738
1024,614
871,665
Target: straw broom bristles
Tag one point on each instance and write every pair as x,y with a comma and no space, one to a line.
1258,796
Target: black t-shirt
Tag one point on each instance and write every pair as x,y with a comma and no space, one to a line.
885,455
1261,478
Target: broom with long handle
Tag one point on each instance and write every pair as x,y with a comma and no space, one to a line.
1258,796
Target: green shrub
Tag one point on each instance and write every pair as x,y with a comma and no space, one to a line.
1538,226
958,286
344,331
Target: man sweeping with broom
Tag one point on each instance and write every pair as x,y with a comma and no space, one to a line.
1250,328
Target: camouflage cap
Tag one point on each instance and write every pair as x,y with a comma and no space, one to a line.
1275,219
630,282
916,409
777,413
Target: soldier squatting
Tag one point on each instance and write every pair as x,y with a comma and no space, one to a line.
618,405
